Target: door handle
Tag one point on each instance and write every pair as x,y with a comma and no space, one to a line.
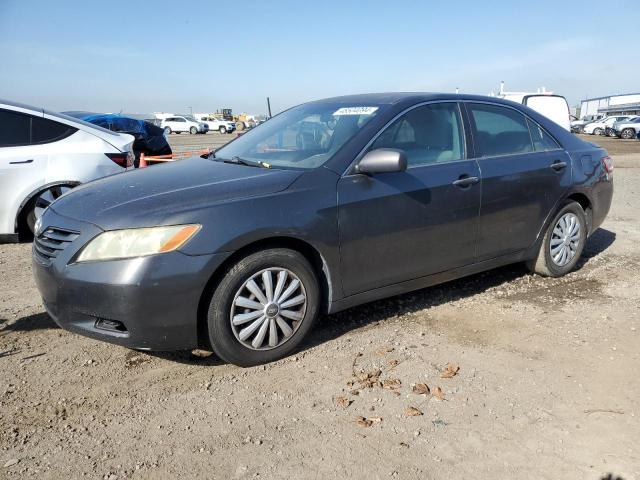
465,181
21,162
558,165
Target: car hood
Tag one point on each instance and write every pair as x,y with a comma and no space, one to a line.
168,194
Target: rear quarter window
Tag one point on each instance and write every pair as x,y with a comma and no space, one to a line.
47,131
542,141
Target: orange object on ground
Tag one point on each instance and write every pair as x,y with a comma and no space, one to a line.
145,159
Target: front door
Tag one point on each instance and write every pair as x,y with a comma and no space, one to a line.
404,225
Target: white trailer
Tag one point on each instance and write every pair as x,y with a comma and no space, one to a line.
554,107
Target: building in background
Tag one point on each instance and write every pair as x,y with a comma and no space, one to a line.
624,104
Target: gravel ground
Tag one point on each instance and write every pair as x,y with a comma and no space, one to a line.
615,146
547,385
184,142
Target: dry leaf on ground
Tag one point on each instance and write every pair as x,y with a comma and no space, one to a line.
369,379
450,370
438,393
363,422
393,363
375,419
391,383
421,389
412,412
342,401
384,350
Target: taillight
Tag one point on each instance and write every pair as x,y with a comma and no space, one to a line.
607,163
124,159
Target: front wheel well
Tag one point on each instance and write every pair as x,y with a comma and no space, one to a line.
21,226
305,249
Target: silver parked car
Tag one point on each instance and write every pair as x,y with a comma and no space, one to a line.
44,154
627,129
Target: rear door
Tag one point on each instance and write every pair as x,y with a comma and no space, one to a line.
524,174
404,225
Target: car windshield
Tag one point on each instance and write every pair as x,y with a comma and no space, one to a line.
191,119
303,137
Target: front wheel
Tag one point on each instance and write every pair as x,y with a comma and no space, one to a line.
167,130
193,130
222,130
628,133
598,131
263,307
563,242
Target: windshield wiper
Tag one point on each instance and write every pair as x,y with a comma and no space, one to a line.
244,161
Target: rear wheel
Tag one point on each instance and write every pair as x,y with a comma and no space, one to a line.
263,307
167,130
563,242
38,204
193,130
628,133
222,130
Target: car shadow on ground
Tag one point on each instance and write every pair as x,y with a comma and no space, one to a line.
330,327
37,321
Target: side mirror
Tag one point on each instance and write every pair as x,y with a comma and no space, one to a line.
382,160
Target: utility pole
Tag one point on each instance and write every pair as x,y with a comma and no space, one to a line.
191,110
269,106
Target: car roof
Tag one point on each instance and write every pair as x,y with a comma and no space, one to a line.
60,117
397,97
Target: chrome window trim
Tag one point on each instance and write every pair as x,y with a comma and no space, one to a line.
527,117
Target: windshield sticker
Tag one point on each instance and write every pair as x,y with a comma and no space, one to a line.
355,111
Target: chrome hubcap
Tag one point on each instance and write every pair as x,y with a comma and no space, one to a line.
565,239
268,309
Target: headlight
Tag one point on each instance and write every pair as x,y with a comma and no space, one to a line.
137,242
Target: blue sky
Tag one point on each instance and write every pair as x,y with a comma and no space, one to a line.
144,56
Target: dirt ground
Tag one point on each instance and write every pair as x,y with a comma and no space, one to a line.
547,385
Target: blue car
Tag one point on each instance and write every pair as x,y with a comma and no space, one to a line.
149,138
328,205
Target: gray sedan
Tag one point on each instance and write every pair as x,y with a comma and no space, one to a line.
327,205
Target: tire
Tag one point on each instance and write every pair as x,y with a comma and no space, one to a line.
252,342
167,130
239,126
222,130
544,264
598,131
41,201
628,133
193,130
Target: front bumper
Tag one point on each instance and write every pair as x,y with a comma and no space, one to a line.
154,300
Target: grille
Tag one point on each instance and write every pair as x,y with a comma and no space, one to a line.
52,241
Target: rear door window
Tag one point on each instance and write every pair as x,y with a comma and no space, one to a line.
499,130
16,129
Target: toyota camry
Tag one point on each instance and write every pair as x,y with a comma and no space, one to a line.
328,205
